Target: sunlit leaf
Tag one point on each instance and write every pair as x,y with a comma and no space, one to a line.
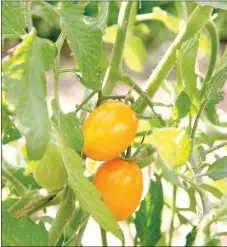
84,38
103,13
148,217
221,185
214,191
110,34
182,106
173,145
134,54
214,4
25,87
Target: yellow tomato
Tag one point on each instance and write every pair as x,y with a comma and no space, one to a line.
120,183
109,130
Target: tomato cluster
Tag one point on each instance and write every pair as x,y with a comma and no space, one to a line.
108,131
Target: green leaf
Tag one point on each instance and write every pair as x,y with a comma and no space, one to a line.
70,127
22,232
85,191
213,242
25,86
103,13
84,38
214,4
9,131
149,216
213,88
168,174
13,19
48,14
218,170
27,180
135,54
190,238
182,105
173,146
214,191
6,204
187,62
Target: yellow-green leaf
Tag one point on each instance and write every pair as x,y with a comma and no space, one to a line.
173,145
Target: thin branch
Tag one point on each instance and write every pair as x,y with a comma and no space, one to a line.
210,150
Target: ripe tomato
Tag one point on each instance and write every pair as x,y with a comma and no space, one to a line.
120,183
109,130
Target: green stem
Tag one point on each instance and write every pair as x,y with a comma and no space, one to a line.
86,100
56,67
31,203
214,39
81,231
174,208
20,189
216,147
65,211
195,23
129,82
181,8
219,234
103,236
110,79
28,15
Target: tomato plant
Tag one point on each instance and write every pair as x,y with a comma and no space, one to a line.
163,143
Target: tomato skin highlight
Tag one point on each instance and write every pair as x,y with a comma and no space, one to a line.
120,182
109,130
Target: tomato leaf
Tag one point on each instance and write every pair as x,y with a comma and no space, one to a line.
218,170
214,191
22,232
190,238
85,191
182,106
168,174
48,14
25,86
13,19
135,54
84,38
70,127
103,13
148,217
173,145
9,131
213,88
8,203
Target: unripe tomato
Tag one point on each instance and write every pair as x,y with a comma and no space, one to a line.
120,183
109,130
50,172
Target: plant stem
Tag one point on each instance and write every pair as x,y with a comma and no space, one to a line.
173,215
86,100
216,147
20,189
118,48
56,67
181,8
219,234
128,81
195,23
81,231
28,15
103,236
214,39
31,203
65,211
